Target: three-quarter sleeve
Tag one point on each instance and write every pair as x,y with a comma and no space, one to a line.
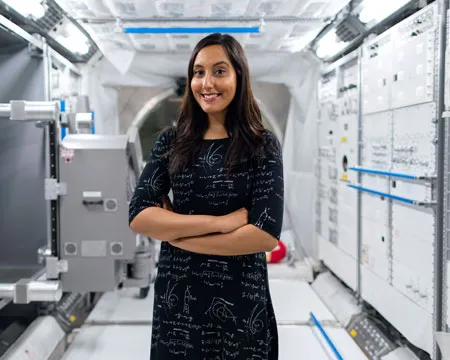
154,181
267,203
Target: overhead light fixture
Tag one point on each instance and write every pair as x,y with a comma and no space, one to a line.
329,45
205,30
26,8
372,11
72,38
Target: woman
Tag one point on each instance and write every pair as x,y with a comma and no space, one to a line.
212,298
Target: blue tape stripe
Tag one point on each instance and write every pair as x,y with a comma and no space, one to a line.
62,105
327,338
387,173
382,194
93,122
147,30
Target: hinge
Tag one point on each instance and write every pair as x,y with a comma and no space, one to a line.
53,189
54,267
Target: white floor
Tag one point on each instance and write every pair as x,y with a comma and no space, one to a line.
120,325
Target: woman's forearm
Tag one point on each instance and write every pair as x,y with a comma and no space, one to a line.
246,240
166,225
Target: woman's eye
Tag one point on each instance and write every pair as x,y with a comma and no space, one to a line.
198,73
220,72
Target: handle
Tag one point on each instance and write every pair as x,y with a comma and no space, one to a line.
386,173
93,202
389,196
327,338
92,198
393,197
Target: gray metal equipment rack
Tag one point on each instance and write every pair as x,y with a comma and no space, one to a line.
92,248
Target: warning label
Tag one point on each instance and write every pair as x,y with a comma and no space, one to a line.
67,154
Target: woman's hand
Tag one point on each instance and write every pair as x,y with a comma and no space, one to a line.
167,205
233,221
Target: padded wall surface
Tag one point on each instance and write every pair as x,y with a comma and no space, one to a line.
22,164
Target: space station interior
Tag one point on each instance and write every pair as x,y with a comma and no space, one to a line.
356,91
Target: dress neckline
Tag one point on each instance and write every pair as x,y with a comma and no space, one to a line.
218,139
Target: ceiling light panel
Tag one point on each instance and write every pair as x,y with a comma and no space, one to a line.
313,9
333,7
130,8
150,42
269,8
274,36
173,9
102,33
298,43
221,8
84,8
299,30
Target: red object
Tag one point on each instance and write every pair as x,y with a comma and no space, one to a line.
277,254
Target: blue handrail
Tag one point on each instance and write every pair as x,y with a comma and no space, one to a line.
383,194
325,335
193,30
386,173
389,196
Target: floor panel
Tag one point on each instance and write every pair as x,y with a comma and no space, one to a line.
123,306
294,300
111,343
120,326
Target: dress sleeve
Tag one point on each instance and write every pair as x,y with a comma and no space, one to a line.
267,202
154,181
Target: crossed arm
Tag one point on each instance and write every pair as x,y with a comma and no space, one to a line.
226,235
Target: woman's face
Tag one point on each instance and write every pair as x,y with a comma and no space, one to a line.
214,80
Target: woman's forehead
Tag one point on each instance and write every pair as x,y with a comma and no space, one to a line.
211,56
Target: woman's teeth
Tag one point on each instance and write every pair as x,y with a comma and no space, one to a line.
210,96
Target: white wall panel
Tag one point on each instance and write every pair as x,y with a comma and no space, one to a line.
414,150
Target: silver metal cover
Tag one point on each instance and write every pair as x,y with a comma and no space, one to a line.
91,142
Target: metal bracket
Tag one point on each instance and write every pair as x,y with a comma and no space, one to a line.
21,295
54,267
53,189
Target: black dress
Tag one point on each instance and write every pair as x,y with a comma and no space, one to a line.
209,307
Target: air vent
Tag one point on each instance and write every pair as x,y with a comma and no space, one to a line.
253,47
256,35
110,205
180,36
147,47
116,249
104,29
75,8
313,9
221,9
299,31
269,7
183,47
126,8
52,17
70,249
349,29
173,9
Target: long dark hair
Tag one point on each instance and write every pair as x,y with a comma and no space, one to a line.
243,121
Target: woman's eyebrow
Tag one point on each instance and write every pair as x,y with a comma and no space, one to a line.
218,63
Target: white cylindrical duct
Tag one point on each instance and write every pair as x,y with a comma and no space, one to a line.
45,291
5,110
36,291
7,291
30,110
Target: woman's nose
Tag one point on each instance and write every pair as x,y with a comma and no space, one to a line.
208,81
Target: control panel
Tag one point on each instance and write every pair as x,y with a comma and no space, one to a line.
369,337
